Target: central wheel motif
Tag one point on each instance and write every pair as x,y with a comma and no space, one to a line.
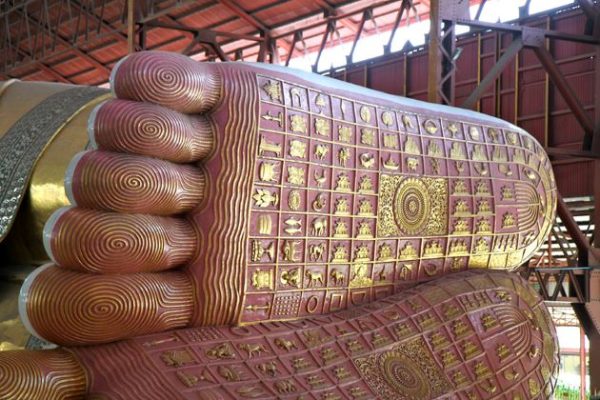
412,206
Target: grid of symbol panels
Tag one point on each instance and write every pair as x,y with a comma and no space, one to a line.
400,126
327,348
327,168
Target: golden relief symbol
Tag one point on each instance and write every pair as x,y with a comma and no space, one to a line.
258,251
343,156
297,149
337,277
293,226
291,278
341,373
461,208
265,224
343,183
387,118
274,118
499,154
502,351
435,166
411,147
456,151
321,151
254,349
474,133
273,90
505,169
296,176
365,208
390,164
460,166
285,386
512,138
408,251
177,358
298,123
344,133
452,128
507,193
268,172
469,350
365,185
412,163
367,160
319,227
479,153
294,200
340,254
482,189
434,150
262,279
221,352
483,207
367,136
285,344
319,203
430,127
460,226
407,122
460,187
316,252
481,169
322,127
365,114
483,226
320,179
265,146
488,322
482,371
385,252
340,231
264,198
508,220
482,246
493,135
341,206
390,141
296,97
364,231
449,359
432,249
320,101
290,250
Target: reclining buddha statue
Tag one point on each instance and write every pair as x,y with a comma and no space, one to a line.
246,231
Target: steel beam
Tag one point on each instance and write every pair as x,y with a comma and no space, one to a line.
434,63
367,15
567,93
243,14
509,54
406,4
328,30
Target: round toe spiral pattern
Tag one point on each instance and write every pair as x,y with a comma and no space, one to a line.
99,242
151,130
72,308
169,79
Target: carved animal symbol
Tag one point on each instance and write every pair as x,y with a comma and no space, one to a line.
221,352
320,179
367,160
285,386
319,226
285,344
316,252
229,374
268,368
314,278
291,277
321,151
337,276
252,349
319,203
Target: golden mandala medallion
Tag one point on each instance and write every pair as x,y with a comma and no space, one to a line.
412,206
